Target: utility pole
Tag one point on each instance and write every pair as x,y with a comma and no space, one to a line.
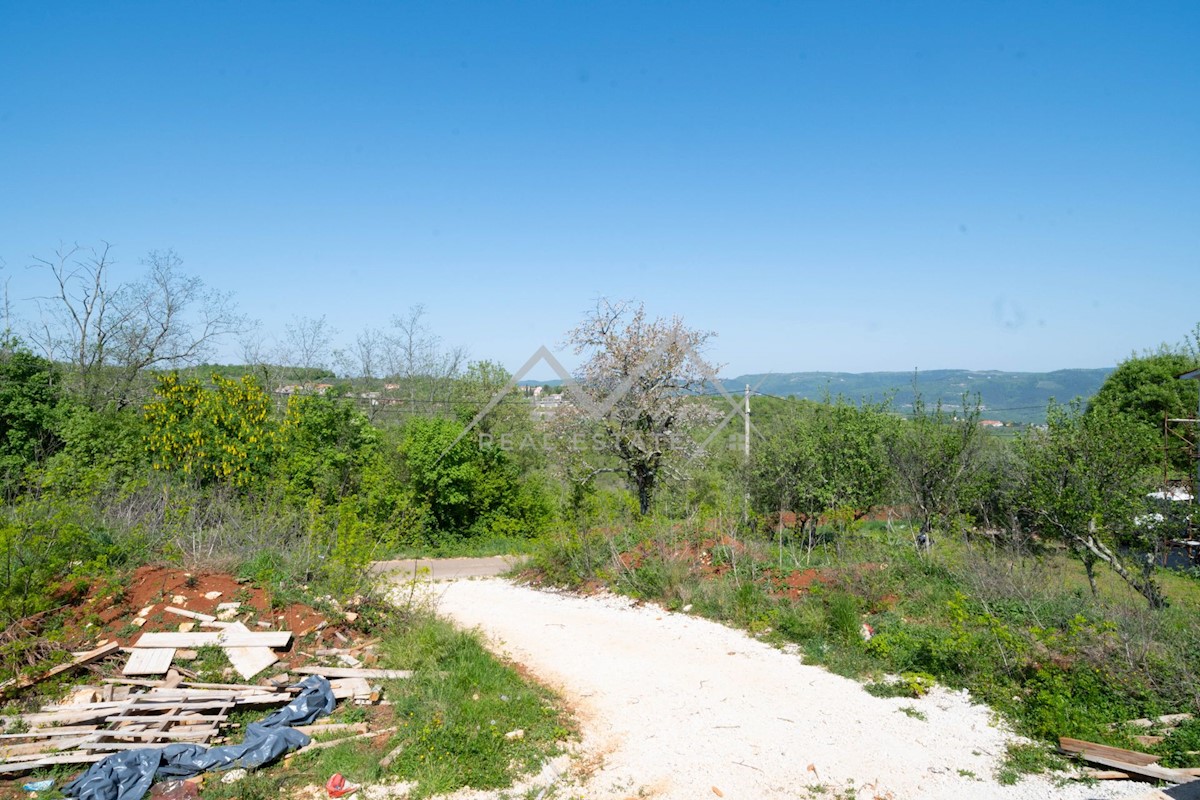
1194,375
746,453
746,417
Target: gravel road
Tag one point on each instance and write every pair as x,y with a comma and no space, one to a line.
673,706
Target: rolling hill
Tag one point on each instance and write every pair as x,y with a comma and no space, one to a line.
1006,396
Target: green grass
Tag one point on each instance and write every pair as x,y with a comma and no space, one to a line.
1026,759
452,717
1019,628
470,547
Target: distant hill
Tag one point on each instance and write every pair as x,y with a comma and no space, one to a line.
1006,396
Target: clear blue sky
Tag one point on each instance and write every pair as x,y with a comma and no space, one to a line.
834,186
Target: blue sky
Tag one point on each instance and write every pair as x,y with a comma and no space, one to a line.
836,186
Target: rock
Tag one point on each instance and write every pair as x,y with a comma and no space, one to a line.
212,595
234,775
186,627
179,600
512,736
186,655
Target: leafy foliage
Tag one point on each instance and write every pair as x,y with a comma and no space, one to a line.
1086,481
1145,389
30,403
935,456
223,434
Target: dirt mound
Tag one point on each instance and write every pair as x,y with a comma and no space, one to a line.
110,610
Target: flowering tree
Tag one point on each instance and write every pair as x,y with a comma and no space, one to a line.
633,401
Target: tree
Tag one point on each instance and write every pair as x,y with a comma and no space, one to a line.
634,387
468,489
109,335
415,357
325,445
831,458
30,400
307,343
1086,480
934,455
1146,389
223,434
364,357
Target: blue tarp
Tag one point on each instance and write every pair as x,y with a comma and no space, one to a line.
128,775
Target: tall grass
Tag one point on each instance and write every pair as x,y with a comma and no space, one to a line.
1017,626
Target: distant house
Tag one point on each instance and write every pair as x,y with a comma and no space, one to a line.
991,423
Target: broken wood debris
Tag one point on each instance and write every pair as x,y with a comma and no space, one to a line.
79,660
348,672
229,637
1165,721
183,612
1131,762
249,652
91,728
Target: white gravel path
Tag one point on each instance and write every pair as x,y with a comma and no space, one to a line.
673,706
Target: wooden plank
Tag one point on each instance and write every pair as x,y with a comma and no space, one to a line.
29,766
183,612
150,661
249,661
1092,748
45,746
1118,775
344,688
44,733
347,672
225,638
343,740
333,727
172,735
1165,721
163,718
387,760
78,661
233,687
1151,771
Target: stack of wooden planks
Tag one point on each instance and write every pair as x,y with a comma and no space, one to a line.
97,721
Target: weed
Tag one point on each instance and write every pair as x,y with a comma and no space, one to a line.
211,664
1022,759
913,712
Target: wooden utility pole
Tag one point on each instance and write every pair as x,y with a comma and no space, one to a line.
746,417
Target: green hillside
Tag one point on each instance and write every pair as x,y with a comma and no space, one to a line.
1006,396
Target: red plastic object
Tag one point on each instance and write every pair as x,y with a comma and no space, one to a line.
338,786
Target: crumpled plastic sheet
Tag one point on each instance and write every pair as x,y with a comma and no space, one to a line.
128,775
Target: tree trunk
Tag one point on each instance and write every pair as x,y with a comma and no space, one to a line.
1146,586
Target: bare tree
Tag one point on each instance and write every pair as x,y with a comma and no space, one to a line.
307,343
364,357
110,335
636,384
5,316
414,355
